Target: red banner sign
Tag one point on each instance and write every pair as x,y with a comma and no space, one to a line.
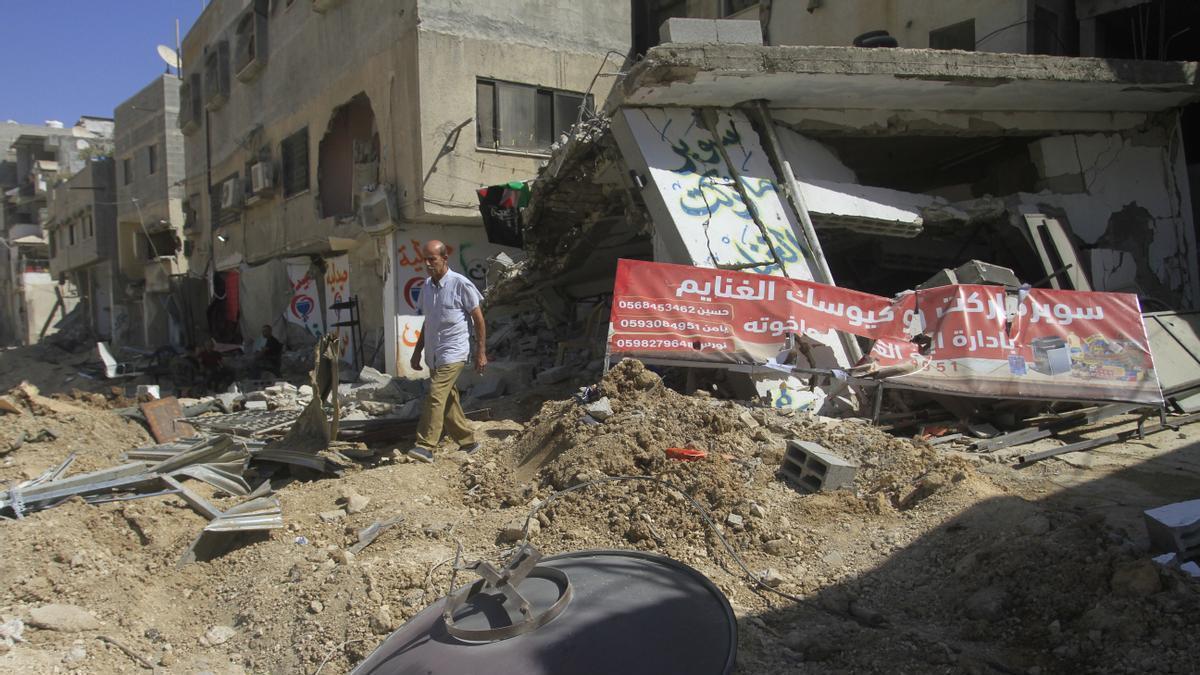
971,340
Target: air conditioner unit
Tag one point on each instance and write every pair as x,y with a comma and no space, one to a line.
231,194
261,178
378,212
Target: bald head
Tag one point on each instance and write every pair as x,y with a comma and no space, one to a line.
434,254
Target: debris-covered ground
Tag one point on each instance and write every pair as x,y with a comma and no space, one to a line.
934,560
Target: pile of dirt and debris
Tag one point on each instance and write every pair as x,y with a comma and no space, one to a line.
926,562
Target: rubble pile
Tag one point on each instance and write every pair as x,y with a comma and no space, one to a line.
736,480
925,561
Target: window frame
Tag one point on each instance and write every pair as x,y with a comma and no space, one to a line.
151,159
127,170
285,161
537,92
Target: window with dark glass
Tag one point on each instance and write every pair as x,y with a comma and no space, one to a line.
293,154
522,117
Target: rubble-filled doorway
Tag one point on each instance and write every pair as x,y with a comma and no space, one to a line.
349,157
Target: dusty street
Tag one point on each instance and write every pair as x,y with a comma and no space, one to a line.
984,568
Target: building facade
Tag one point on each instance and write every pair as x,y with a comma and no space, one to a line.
156,307
81,233
34,158
297,115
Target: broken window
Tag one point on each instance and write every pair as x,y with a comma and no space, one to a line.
523,117
348,159
955,36
293,152
251,52
127,170
159,244
71,237
151,159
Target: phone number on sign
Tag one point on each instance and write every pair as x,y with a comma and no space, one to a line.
667,343
668,324
666,307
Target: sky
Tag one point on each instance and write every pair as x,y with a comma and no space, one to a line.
68,58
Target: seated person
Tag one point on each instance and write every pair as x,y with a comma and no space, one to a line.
217,377
269,356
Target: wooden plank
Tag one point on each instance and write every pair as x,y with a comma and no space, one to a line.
163,417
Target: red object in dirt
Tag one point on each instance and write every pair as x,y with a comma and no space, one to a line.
686,454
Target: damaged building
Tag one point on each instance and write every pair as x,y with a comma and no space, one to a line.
870,169
325,140
158,304
34,159
81,231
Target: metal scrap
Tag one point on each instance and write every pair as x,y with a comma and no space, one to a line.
163,418
1140,432
369,533
260,513
220,535
246,423
194,500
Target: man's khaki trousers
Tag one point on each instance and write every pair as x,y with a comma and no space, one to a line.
442,409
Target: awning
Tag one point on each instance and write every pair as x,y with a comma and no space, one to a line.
16,233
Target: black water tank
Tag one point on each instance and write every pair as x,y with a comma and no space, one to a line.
629,613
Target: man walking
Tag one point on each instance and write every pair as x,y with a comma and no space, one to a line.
446,300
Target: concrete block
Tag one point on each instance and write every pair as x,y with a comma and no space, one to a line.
555,375
409,411
739,31
812,468
679,30
256,405
1175,528
489,386
371,375
600,410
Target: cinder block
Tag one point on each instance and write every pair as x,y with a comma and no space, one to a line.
696,31
739,32
489,386
1175,528
812,468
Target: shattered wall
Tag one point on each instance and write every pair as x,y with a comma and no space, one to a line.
1127,199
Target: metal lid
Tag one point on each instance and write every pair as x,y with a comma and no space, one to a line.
596,612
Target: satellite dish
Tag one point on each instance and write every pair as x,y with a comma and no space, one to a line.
169,55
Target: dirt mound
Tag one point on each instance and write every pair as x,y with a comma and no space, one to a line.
564,446
925,564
